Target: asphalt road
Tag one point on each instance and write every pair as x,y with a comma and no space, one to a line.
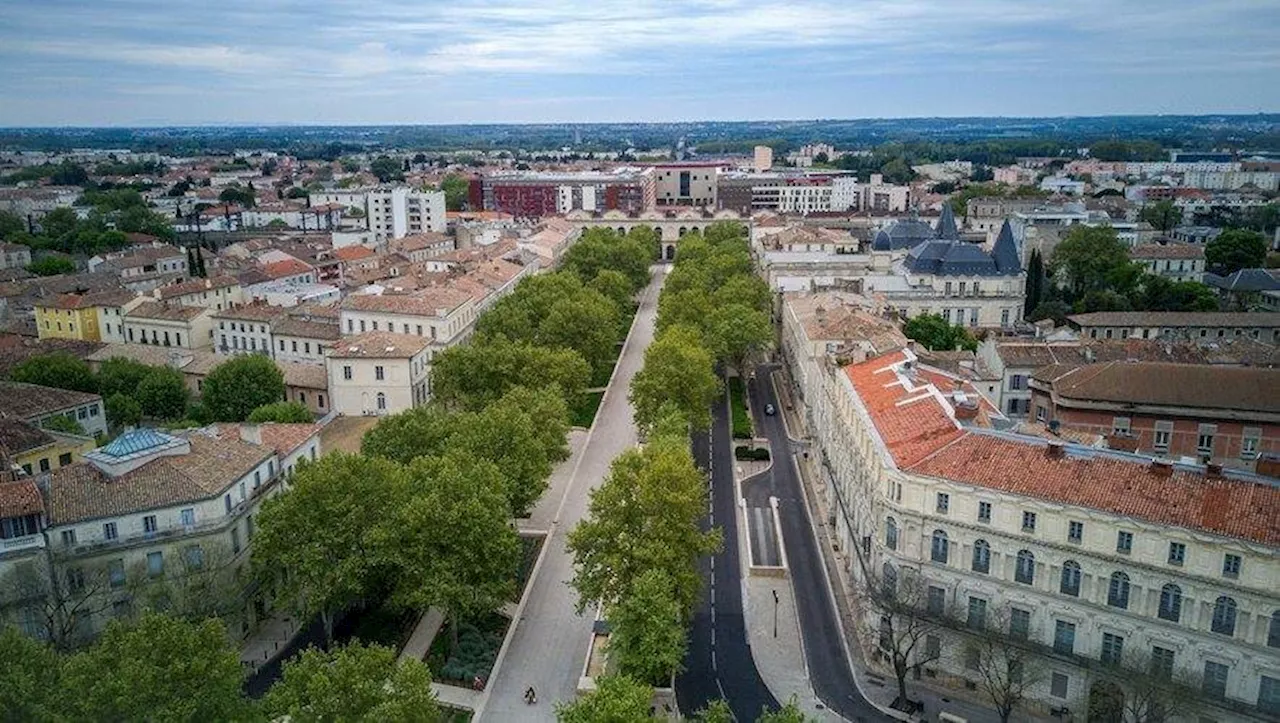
718,663
828,665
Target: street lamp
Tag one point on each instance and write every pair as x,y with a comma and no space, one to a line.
775,613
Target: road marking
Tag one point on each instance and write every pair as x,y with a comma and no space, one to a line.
713,667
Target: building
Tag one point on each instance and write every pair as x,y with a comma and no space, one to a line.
1215,414
761,159
1172,325
216,293
848,195
418,247
1065,186
987,214
94,316
669,224
245,329
1089,558
686,184
1248,289
37,451
161,324
390,212
442,316
533,194
145,268
379,373
1177,262
302,338
36,404
14,256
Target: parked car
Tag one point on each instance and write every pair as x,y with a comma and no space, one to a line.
769,410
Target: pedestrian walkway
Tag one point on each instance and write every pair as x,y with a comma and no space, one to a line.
269,639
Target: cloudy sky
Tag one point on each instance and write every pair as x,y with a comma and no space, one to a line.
121,62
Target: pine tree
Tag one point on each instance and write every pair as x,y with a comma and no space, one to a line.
200,264
192,269
1035,282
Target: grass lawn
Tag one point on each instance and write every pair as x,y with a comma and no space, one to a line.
584,412
741,420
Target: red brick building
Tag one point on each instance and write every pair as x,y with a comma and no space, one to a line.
1225,415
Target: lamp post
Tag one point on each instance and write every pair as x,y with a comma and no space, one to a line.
775,613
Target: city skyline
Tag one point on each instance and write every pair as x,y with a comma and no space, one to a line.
129,63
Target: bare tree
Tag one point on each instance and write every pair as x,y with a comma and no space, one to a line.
908,618
58,601
1153,691
201,583
1005,664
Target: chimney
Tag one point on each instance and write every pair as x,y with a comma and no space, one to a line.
1162,468
1213,471
251,433
1055,450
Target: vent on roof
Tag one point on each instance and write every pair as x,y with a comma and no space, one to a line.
390,349
1055,450
1213,471
1161,467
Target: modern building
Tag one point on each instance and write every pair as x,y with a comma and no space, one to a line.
1214,414
1195,326
533,194
379,373
391,212
686,184
1175,261
761,159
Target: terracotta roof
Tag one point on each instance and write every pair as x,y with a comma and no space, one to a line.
285,268
292,326
195,286
82,492
1177,318
307,376
25,401
284,438
1232,507
251,312
420,241
353,253
18,436
1167,251
911,422
144,353
1199,386
167,312
20,498
380,345
425,302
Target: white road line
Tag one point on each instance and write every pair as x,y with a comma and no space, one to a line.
713,667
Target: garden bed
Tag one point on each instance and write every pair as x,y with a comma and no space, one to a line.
478,644
583,414
737,402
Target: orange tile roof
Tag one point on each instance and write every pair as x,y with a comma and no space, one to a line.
284,438
353,253
20,498
911,422
288,267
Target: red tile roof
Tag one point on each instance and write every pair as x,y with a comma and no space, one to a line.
353,253
20,498
911,422
288,267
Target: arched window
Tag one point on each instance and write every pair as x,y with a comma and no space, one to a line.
1170,603
890,579
382,402
1070,579
938,551
1224,616
1273,633
1025,571
981,557
1118,591
891,534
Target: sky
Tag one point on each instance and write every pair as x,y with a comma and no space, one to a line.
181,62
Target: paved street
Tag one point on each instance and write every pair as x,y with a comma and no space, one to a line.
549,646
719,662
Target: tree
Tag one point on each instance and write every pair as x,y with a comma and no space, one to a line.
789,713
1006,669
615,286
451,543
1153,693
317,542
1164,215
119,375
1035,282
352,683
238,386
717,711
62,601
416,432
122,411
937,334
59,369
52,265
1159,293
736,331
237,195
282,412
61,423
906,623
205,583
1091,259
29,683
1052,309
160,668
587,322
471,375
1236,249
456,189
11,225
386,169
677,368
644,516
648,629
616,699
68,173
162,394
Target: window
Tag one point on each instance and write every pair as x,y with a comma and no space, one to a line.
981,557
1249,442
1042,413
109,531
155,563
1204,440
1058,686
44,464
1215,679
1177,553
1124,542
68,538
1224,616
64,459
226,500
1004,317
193,555
378,373
938,549
944,503
1075,532
1231,566
932,647
1019,623
984,512
115,573
149,524
891,534
346,373
1118,591
235,540
1273,632
1017,382
1120,426
1064,637
937,600
977,613
382,402
1112,648
1269,695
1028,522
257,478
1025,571
188,517
1170,603
889,579
1070,578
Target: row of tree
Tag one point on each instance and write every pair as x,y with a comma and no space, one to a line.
110,215
159,667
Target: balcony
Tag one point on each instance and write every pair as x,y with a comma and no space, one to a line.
21,544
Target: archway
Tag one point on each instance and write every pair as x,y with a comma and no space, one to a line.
1106,703
670,252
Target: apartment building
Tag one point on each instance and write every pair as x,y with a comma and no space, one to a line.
14,256
36,404
35,450
442,316
1097,561
217,293
161,324
144,269
379,373
96,316
303,339
391,212
245,329
1177,325
1176,262
533,194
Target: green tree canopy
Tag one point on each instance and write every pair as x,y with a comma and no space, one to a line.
1164,215
59,369
120,375
1091,258
736,331
52,265
616,699
1236,249
30,681
236,387
157,668
284,412
387,169
122,410
937,334
599,249
615,286
456,191
677,368
471,375
352,683
162,394
648,629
